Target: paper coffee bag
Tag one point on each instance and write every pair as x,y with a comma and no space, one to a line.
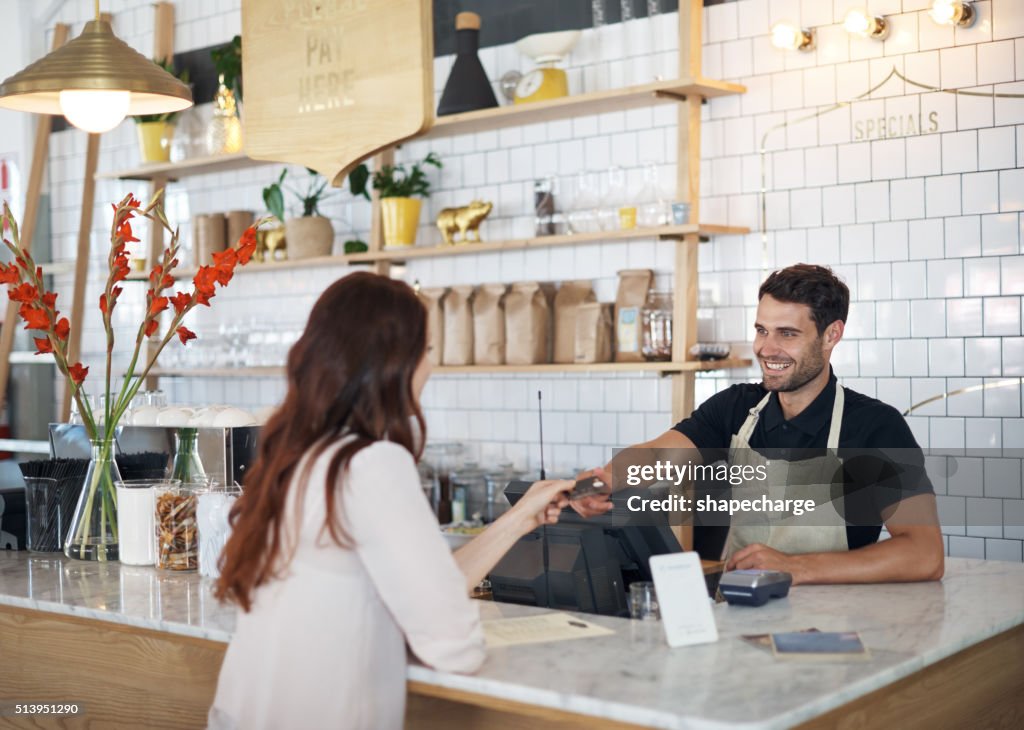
527,324
593,334
458,326
567,302
432,299
489,324
633,287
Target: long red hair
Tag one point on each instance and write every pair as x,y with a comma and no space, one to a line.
349,374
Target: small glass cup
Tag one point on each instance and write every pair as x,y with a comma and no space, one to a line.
643,601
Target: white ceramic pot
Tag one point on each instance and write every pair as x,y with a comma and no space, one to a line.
309,237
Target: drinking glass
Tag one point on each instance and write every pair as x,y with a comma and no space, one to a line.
643,601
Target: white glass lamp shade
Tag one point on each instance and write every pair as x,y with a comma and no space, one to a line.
94,111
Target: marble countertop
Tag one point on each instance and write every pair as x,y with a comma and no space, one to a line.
631,676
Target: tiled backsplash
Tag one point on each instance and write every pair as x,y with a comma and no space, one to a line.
914,196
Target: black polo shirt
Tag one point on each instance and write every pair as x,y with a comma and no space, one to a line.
868,424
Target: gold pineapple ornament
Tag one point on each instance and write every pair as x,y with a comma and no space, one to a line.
224,135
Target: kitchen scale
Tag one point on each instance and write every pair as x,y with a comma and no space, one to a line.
548,81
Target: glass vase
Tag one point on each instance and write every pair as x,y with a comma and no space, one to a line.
92,534
187,466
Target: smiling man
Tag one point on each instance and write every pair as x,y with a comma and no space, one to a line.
800,411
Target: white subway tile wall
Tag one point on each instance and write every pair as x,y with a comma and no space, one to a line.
915,196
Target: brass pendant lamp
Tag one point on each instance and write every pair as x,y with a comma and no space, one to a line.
95,80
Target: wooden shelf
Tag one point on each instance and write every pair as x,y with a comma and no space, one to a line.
177,170
598,102
603,367
670,233
459,249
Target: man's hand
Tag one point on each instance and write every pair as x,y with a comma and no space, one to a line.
762,557
595,504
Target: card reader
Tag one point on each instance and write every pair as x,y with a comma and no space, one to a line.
754,587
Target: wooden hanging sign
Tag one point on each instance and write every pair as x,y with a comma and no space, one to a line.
329,83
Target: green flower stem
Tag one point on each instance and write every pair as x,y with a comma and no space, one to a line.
100,481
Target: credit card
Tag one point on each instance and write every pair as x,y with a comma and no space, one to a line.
587,487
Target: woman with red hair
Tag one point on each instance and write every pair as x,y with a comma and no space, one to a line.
335,559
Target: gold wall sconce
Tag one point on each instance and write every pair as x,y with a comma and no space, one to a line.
792,38
953,12
858,22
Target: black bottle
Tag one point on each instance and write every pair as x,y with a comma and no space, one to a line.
467,88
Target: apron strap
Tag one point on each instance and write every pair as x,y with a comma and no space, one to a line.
837,419
748,425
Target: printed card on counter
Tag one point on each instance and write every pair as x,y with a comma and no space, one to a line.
820,646
683,599
539,629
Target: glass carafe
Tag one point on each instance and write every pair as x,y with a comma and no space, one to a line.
653,206
657,326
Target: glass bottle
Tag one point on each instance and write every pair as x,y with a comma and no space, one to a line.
657,326
468,87
610,214
652,204
582,217
92,534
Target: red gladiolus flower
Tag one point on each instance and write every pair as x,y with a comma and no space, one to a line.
78,373
63,328
158,305
35,318
103,304
9,274
43,345
155,274
152,327
185,334
124,231
180,301
132,202
167,282
24,293
247,245
50,299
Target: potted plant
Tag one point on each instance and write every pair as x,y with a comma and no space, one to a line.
157,130
310,235
400,210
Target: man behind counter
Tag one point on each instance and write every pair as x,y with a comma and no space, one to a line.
801,315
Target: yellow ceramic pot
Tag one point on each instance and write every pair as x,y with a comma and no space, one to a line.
155,141
400,217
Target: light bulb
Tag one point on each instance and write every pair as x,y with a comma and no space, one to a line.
791,38
952,12
860,23
857,22
94,111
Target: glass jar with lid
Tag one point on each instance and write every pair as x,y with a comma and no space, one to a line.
469,493
656,317
497,479
439,460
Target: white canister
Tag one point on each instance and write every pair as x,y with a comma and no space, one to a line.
214,529
135,522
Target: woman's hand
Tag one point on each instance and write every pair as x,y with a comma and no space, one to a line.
542,503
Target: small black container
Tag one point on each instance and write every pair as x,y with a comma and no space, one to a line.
467,88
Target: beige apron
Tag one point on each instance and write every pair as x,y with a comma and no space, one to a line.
824,529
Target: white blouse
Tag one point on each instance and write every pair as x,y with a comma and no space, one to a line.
325,645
